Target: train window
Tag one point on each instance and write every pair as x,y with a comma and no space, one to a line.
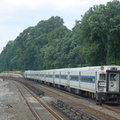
75,78
56,76
47,75
63,76
102,76
86,79
51,76
113,76
42,75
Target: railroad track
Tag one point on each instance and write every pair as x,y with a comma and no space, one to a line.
36,115
78,104
115,109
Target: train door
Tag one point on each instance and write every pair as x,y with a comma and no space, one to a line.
53,78
113,80
79,78
68,79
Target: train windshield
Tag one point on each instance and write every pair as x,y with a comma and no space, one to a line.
102,76
113,76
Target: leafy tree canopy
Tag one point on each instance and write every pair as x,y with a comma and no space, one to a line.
94,40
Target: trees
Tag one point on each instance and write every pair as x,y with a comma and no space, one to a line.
32,48
93,41
99,30
113,42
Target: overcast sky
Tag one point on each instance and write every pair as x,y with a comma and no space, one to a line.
17,15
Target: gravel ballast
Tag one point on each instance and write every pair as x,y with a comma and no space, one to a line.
12,104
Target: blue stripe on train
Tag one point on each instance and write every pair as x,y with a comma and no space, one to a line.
88,79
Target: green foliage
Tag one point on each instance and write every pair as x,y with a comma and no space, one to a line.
94,40
99,30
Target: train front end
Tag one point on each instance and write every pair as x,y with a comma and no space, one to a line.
108,85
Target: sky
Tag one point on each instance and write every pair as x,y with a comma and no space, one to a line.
17,15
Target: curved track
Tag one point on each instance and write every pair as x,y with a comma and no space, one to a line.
56,94
55,115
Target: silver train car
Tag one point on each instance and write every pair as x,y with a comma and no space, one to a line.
99,82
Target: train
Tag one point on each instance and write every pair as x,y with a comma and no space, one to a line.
99,82
15,75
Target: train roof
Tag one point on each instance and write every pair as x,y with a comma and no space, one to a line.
107,67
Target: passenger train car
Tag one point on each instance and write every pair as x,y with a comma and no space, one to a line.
100,82
15,75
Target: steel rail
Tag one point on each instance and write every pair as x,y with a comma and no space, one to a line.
30,107
44,105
